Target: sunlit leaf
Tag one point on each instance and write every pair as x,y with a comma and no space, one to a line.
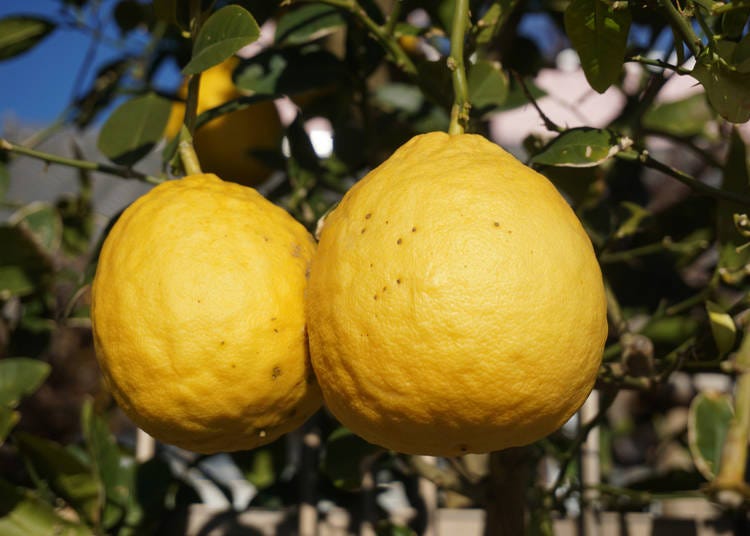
134,128
19,377
722,327
224,33
580,147
708,422
8,419
632,222
20,33
307,23
599,34
488,85
24,514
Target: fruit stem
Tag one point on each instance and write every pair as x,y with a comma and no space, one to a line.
189,159
461,105
119,171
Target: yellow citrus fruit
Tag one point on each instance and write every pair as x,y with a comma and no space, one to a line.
226,145
198,316
455,303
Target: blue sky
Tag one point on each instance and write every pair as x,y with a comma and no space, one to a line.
37,85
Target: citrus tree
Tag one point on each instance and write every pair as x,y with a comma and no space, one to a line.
629,276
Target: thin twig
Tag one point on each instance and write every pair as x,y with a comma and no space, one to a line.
697,186
548,123
682,25
119,171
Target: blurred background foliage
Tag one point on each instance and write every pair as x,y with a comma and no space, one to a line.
661,184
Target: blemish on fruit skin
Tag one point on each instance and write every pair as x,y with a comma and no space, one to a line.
368,215
385,288
296,251
375,297
275,373
398,281
496,224
262,433
222,343
463,448
413,229
399,241
275,330
362,231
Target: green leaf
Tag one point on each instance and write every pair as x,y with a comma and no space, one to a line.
149,486
488,85
64,472
632,222
24,514
708,422
736,179
599,33
289,71
686,117
344,454
307,23
43,223
8,419
223,34
20,33
263,465
134,128
733,22
728,89
741,54
581,147
722,327
493,20
104,454
22,262
19,377
401,97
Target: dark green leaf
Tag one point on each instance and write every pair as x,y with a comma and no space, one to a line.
22,263
289,71
20,33
599,34
728,90
343,459
580,147
104,454
488,85
307,23
43,223
128,14
737,180
223,34
686,117
741,55
134,128
23,514
4,179
149,485
65,473
733,22
19,377
8,419
722,327
708,423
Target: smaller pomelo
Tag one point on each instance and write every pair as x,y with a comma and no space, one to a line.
198,318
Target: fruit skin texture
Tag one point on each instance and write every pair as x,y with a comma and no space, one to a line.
198,316
225,144
455,303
